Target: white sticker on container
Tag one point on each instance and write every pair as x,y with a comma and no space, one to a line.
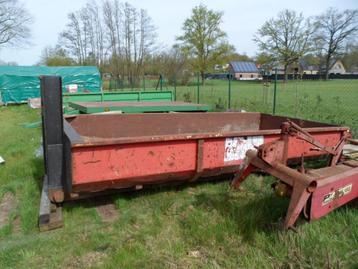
236,147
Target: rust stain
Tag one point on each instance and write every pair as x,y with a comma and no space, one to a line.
94,161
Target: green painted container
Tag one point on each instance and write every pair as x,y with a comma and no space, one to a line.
135,96
137,107
132,96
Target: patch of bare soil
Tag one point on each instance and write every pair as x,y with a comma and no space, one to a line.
7,205
93,258
107,212
16,225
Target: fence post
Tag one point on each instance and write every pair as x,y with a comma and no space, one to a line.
161,82
143,82
198,89
274,93
175,87
229,93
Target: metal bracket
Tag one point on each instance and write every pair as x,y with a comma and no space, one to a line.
50,215
295,130
271,158
199,160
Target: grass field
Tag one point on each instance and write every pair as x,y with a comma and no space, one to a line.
193,226
333,101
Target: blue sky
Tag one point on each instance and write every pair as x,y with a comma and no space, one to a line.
241,20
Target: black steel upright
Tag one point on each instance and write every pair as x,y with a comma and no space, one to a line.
52,132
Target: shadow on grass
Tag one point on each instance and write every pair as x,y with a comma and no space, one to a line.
38,171
254,213
130,194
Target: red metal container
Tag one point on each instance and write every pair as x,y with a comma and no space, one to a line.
87,154
133,150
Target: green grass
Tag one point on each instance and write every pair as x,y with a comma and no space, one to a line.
326,101
163,227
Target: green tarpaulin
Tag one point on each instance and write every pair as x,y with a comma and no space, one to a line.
19,83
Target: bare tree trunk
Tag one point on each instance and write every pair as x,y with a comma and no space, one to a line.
202,74
285,73
327,67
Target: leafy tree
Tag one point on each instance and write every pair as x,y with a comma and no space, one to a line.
14,22
203,41
55,57
265,61
334,30
285,38
311,59
350,58
239,57
170,63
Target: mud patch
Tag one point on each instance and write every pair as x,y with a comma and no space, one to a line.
16,225
93,258
107,212
7,206
194,254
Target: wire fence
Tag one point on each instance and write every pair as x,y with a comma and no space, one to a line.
333,101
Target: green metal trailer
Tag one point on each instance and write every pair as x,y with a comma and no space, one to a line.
135,96
137,107
132,96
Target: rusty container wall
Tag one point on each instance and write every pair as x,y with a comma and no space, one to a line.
134,150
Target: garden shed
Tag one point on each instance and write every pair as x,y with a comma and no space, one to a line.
19,83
